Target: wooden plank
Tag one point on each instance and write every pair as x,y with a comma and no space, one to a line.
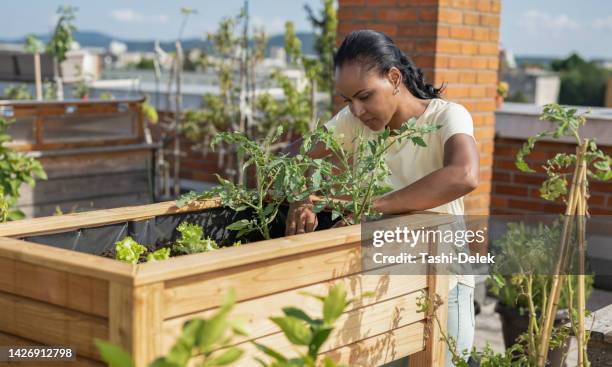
67,222
51,325
353,326
67,260
257,311
135,320
77,292
198,292
94,163
272,249
372,351
82,187
12,340
381,349
88,204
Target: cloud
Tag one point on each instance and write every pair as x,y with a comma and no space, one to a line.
603,23
131,16
537,21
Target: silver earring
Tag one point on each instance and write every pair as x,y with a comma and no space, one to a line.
396,91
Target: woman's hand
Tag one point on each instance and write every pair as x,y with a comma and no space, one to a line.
301,218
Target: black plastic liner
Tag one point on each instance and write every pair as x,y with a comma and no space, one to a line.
161,230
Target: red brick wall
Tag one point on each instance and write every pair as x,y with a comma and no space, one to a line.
455,42
515,192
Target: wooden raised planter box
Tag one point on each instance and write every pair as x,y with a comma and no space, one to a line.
60,297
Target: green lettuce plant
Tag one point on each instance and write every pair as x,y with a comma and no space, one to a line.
191,241
128,250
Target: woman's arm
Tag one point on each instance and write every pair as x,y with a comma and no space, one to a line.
458,177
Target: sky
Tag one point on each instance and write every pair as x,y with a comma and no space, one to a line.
528,27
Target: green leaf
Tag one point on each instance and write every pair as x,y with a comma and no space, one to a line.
418,141
298,314
334,304
241,224
320,336
161,254
113,355
296,330
328,362
270,352
228,357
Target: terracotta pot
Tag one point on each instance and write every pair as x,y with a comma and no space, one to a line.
499,100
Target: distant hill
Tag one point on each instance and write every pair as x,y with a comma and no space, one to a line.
98,39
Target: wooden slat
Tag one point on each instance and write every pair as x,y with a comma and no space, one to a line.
381,349
83,187
67,260
91,203
257,311
198,292
67,222
73,291
135,320
51,325
369,352
11,340
95,163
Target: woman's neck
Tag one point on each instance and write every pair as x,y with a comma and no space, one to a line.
409,107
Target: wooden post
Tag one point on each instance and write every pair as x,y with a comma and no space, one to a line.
135,320
37,76
435,346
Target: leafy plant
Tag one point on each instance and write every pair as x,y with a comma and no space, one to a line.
363,170
206,341
567,123
191,241
307,333
588,162
15,170
61,40
277,178
525,251
128,250
158,255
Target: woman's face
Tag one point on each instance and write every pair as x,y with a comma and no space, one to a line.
369,95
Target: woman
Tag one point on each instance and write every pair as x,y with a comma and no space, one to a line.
383,88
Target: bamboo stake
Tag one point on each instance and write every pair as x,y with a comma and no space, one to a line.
37,77
551,306
581,266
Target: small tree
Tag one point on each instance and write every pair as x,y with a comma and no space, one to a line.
62,39
325,26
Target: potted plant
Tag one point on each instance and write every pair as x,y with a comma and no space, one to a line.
521,283
502,93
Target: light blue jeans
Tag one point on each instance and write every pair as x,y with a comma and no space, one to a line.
460,324
461,321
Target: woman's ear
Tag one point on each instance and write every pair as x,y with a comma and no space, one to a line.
395,77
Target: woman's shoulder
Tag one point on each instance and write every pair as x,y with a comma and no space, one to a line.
443,112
